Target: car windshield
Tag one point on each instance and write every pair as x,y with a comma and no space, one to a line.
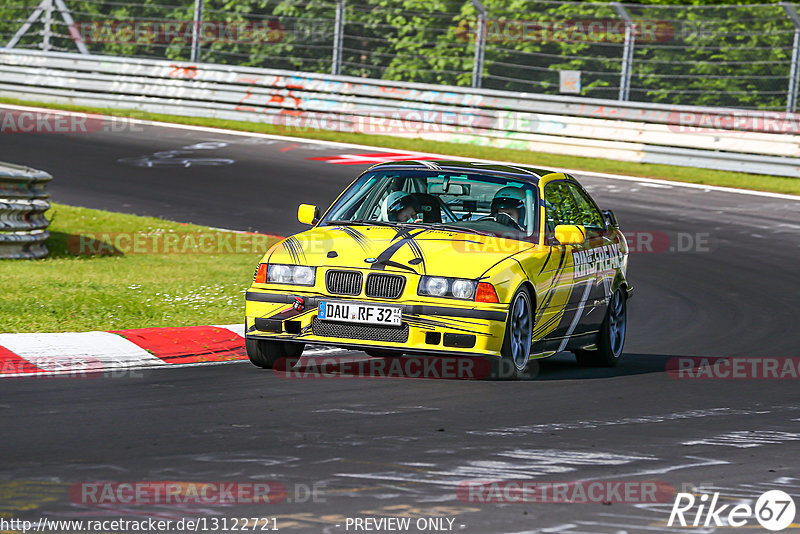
478,203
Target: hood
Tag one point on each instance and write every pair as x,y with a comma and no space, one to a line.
410,250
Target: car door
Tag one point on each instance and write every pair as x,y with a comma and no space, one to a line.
597,248
573,302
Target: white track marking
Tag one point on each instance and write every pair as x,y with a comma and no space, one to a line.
700,462
237,329
657,186
441,156
57,351
635,420
517,464
356,410
746,439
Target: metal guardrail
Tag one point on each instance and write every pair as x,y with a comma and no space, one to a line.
23,226
743,54
726,139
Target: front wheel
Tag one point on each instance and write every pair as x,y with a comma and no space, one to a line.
612,335
518,338
264,353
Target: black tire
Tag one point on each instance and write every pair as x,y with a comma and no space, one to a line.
264,353
517,341
612,335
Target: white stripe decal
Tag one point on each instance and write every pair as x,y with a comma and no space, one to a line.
55,351
577,317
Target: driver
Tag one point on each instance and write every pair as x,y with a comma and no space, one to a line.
400,207
509,203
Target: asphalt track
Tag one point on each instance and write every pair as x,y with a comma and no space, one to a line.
400,447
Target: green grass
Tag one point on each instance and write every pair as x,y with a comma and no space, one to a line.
68,292
666,172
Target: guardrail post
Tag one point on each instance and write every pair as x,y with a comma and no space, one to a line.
791,97
27,24
47,33
47,6
627,51
65,14
480,44
197,21
338,38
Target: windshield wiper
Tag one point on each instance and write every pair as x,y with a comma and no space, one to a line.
361,221
427,226
454,228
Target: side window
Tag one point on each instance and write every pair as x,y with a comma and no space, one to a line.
567,204
559,204
587,213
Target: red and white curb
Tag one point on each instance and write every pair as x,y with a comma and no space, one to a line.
79,353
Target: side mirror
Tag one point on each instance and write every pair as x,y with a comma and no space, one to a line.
570,234
308,214
611,219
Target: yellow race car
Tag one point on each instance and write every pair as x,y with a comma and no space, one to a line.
444,258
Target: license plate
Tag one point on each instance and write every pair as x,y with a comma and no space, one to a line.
354,312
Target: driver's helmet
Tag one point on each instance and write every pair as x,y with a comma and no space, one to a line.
395,203
510,197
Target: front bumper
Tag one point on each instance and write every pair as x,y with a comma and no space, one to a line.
429,328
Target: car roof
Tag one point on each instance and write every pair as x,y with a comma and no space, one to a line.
530,174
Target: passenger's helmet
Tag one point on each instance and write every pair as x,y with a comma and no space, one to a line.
510,197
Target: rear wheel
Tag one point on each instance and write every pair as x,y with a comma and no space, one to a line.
518,338
612,335
264,353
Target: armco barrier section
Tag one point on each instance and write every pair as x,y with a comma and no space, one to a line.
23,226
726,139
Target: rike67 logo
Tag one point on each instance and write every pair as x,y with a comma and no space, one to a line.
774,510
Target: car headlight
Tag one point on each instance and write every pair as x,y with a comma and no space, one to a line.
463,289
303,276
439,286
300,275
436,286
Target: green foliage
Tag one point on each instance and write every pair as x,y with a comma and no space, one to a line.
686,52
729,56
